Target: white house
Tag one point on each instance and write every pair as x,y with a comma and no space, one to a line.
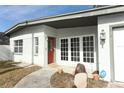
93,37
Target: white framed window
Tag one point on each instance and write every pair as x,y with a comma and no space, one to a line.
75,49
18,46
88,49
36,44
64,49
78,49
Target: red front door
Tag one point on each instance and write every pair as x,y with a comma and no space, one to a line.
51,47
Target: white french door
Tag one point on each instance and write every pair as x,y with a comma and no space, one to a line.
78,49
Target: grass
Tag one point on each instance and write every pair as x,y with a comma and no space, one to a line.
6,66
10,74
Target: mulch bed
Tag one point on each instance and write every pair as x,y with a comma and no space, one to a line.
62,80
65,80
96,83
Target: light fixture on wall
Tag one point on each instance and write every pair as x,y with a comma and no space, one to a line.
102,37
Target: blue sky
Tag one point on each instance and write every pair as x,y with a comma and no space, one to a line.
13,14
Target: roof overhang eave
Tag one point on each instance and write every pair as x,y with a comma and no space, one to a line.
85,13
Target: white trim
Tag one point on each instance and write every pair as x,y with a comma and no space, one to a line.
18,46
81,52
60,49
112,67
94,63
36,45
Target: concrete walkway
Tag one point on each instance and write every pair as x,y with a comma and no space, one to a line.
41,78
115,85
38,79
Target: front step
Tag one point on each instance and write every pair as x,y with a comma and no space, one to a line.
116,85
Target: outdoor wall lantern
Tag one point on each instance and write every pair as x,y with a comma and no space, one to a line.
102,38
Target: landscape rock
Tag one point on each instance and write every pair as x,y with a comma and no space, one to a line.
80,68
80,80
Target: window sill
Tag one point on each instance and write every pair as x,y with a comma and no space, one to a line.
17,53
35,54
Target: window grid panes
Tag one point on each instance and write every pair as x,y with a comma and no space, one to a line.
64,49
88,49
36,42
75,49
18,46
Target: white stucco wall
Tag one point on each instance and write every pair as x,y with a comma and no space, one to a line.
104,23
49,32
43,32
28,34
72,32
27,44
